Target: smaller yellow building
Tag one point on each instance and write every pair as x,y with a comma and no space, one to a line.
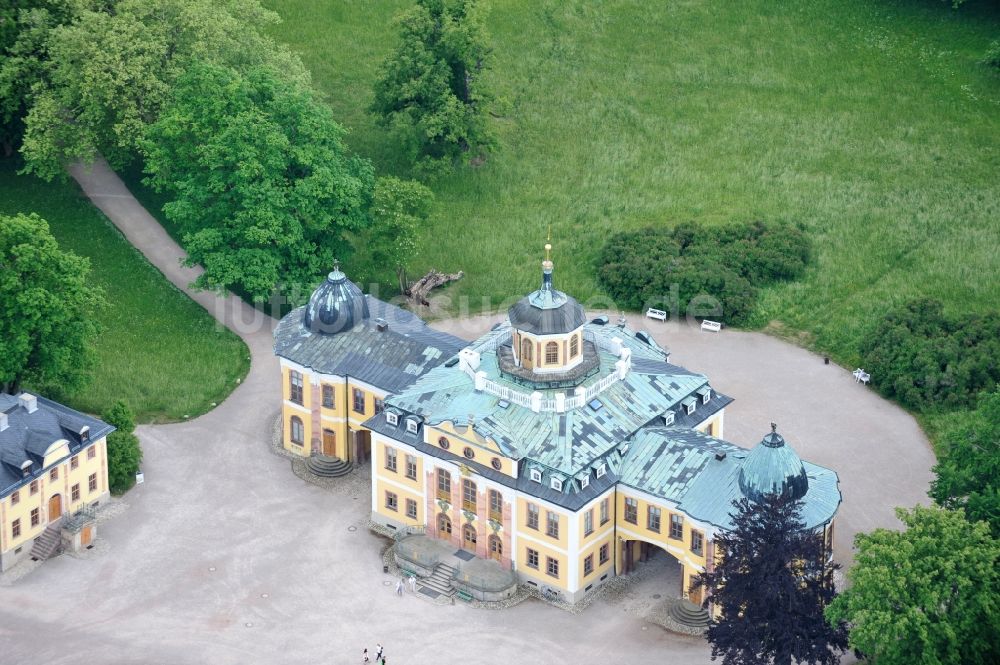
53,464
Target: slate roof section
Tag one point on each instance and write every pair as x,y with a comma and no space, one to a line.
28,436
680,465
392,359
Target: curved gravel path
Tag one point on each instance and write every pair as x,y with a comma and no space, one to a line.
224,556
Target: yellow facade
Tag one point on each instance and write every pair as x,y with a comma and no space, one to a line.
53,494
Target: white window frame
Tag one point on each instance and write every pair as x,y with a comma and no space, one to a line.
412,426
392,418
601,470
691,407
668,418
556,484
584,482
535,475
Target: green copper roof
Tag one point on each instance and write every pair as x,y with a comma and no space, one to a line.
772,467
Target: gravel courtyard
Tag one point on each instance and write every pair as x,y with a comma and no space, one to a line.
225,556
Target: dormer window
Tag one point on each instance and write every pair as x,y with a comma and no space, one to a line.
706,395
535,475
392,418
668,418
601,470
556,484
85,433
411,425
689,404
584,482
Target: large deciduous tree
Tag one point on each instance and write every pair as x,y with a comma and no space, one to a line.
928,595
104,76
431,86
968,472
124,452
771,587
48,307
260,181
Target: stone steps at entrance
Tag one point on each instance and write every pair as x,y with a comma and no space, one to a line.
328,467
688,614
48,544
440,580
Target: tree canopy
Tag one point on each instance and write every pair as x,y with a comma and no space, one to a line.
926,358
259,179
431,86
928,595
124,453
713,270
48,308
101,79
968,471
771,586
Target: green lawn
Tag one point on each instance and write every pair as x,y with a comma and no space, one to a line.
160,351
870,121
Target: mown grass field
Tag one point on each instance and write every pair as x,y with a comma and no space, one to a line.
159,351
870,121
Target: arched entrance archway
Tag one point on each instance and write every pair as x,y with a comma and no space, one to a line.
526,347
469,537
444,525
661,570
55,507
329,443
496,547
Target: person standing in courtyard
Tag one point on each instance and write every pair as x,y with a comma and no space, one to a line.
413,583
364,656
400,587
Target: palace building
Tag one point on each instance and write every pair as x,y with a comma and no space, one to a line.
53,469
563,449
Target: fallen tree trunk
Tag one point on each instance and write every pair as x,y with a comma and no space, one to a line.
419,289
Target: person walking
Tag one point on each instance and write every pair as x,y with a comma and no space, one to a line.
413,583
400,587
378,652
364,656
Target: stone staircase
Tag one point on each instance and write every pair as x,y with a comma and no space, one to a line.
440,580
688,614
328,467
48,544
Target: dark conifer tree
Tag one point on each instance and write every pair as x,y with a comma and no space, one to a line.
772,584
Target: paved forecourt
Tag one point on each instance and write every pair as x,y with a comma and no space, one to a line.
224,556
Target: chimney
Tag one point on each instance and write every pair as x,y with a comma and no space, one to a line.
381,325
4,423
28,401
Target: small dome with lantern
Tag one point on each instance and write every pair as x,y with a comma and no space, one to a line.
337,305
772,467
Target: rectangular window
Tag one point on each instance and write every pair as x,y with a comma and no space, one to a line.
390,458
54,473
328,400
35,517
552,566
676,527
532,561
588,522
92,482
411,467
75,492
15,498
391,501
411,509
604,553
496,506
74,462
697,542
379,406
653,518
552,524
295,386
631,511
532,516
444,485
33,488
605,511
588,565
15,528
92,452
468,495
359,400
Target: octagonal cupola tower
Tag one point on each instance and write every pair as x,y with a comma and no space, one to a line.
337,305
772,467
547,327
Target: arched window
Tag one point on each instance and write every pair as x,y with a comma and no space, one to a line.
444,524
551,353
469,536
574,346
496,547
298,431
526,349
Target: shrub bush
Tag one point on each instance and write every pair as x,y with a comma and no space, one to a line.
664,267
926,359
124,453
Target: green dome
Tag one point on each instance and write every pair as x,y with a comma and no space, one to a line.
772,467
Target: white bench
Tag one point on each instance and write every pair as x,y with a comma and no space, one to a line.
711,326
658,314
861,376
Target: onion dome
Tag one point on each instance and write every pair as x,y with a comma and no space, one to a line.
337,305
772,467
546,311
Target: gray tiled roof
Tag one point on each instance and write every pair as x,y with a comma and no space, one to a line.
391,359
681,466
28,435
